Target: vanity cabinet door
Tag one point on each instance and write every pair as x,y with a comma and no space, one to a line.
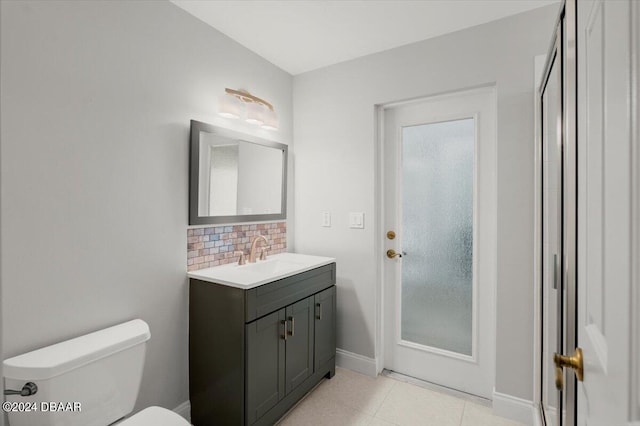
299,345
265,364
325,326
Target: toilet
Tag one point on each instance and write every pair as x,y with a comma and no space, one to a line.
92,380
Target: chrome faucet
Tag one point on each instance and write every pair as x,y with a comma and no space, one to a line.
254,245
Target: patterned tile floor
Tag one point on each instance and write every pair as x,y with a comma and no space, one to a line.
351,398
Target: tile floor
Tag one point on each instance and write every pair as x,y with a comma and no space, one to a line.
351,398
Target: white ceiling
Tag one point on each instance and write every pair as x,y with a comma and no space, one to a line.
300,36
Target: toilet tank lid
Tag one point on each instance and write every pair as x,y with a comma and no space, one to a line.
57,359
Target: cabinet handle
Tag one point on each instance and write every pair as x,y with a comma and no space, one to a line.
319,305
284,324
293,324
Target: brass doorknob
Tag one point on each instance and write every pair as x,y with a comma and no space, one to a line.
574,362
391,253
559,378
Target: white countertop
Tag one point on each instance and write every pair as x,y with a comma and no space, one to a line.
253,275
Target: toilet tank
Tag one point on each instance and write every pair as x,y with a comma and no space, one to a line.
92,380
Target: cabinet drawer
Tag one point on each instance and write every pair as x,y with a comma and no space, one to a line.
270,297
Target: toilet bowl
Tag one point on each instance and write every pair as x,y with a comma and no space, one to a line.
92,380
154,416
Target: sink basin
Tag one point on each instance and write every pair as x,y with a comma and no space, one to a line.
269,267
252,275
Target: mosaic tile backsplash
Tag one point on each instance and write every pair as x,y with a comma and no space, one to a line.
213,246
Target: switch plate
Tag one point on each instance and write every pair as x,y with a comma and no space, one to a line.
356,220
326,219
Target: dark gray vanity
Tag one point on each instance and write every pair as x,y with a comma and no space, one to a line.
253,353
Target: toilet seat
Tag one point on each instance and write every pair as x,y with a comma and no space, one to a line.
155,416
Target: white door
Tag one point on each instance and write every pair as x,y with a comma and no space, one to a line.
608,220
439,184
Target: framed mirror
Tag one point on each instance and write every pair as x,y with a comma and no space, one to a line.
235,177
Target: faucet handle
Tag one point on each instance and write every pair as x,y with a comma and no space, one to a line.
241,260
263,254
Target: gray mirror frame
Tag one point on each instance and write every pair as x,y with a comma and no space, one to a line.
194,171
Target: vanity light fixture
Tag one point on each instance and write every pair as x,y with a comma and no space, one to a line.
240,103
255,113
230,106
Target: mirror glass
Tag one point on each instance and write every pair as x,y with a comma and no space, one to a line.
235,177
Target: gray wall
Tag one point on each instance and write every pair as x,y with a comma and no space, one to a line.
96,103
334,126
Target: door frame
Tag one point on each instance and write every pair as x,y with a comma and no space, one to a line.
379,221
541,74
634,396
567,20
539,68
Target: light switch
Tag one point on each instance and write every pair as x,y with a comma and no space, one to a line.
356,220
326,219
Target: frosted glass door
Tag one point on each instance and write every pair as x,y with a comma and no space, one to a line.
437,227
440,200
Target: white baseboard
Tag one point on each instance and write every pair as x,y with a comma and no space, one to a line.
513,408
356,362
184,410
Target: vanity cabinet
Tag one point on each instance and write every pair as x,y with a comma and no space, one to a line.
254,353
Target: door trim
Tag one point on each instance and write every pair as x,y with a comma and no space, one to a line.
541,65
634,394
554,56
539,68
570,194
379,240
